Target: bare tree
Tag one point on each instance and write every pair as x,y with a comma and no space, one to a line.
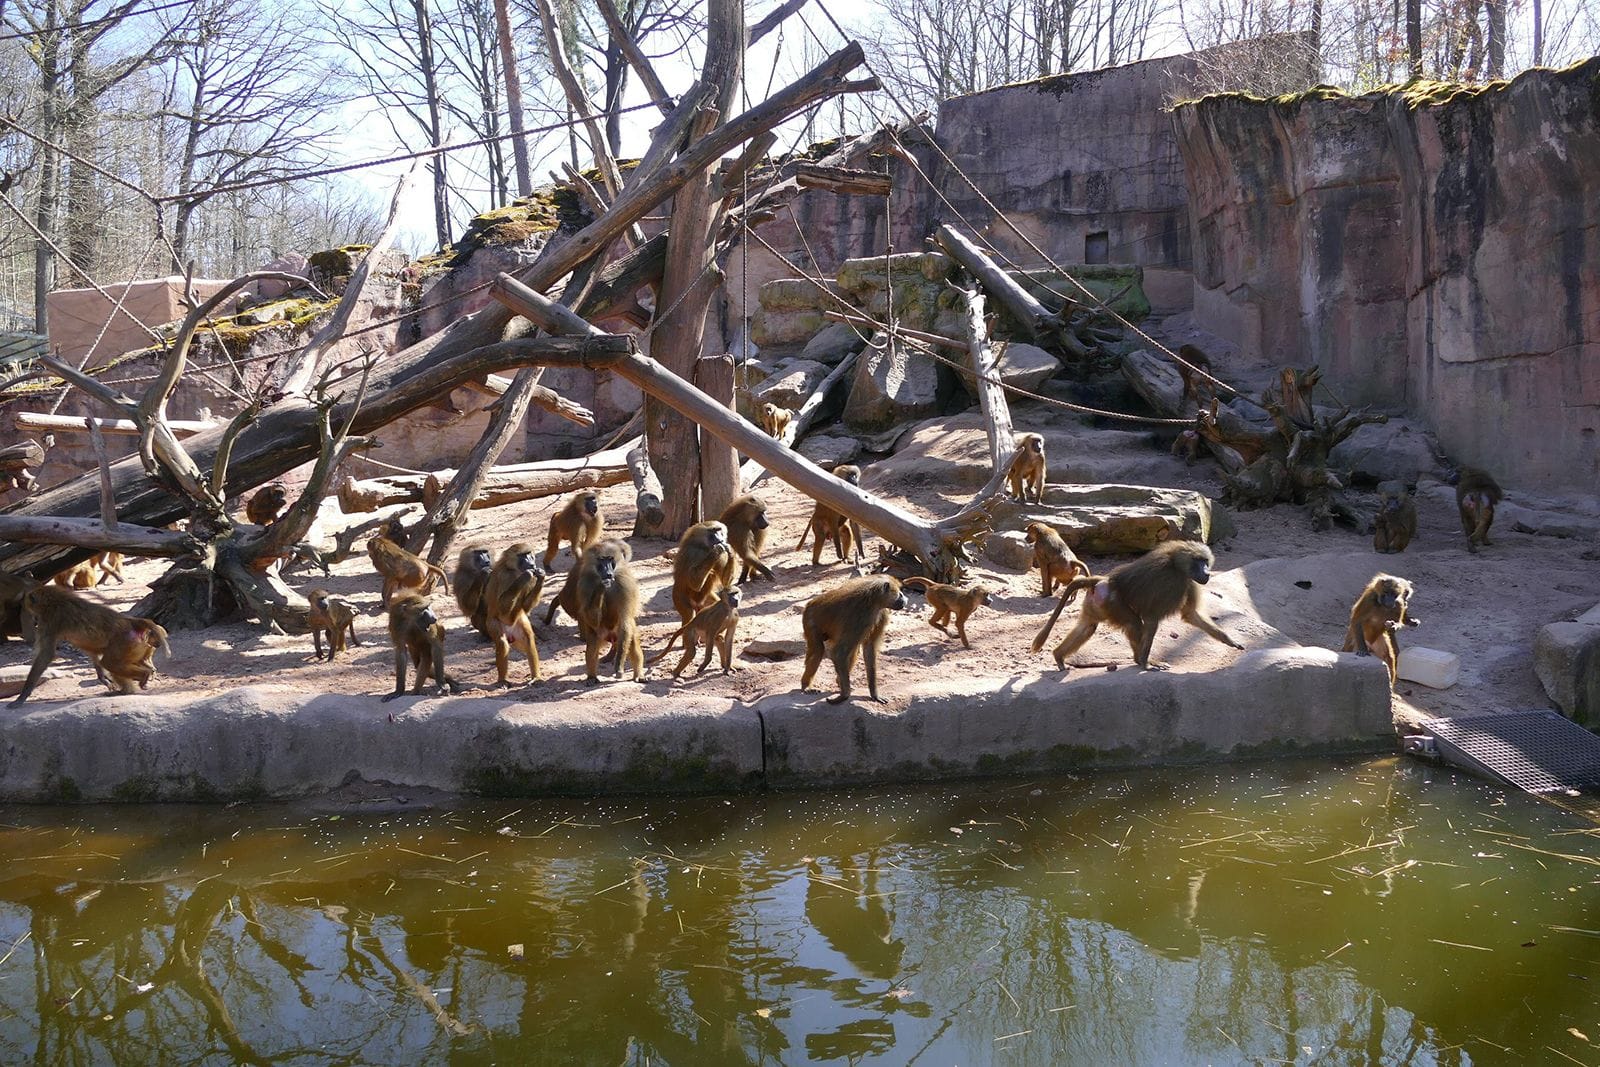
245,105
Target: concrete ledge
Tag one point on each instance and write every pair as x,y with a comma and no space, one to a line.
1271,702
1566,658
259,743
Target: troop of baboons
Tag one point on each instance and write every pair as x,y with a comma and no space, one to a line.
498,595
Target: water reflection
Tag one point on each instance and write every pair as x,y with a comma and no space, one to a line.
1372,913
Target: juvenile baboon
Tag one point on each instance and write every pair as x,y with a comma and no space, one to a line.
828,524
746,521
415,630
85,574
715,626
120,646
607,602
1476,497
401,569
1027,470
333,616
951,603
1136,597
1196,386
1187,445
579,521
472,578
1379,612
1396,522
267,504
846,620
704,563
515,585
1053,557
14,622
774,419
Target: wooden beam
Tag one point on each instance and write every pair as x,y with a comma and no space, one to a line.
96,535
28,420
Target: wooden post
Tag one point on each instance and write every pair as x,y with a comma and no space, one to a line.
719,463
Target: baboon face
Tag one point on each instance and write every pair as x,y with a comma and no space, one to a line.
760,521
591,504
1034,533
716,536
733,594
606,564
276,494
319,600
427,619
1198,563
525,560
480,558
1393,592
1033,443
849,472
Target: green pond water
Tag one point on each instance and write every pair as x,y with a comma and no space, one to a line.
1361,913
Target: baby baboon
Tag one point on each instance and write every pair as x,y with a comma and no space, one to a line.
1056,561
1196,385
515,585
1476,496
774,419
415,630
1026,474
1396,522
472,578
704,564
746,520
120,647
828,524
1379,612
715,626
402,570
266,505
579,521
1136,597
848,619
951,602
332,616
14,622
607,602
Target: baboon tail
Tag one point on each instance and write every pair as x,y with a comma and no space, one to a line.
1067,596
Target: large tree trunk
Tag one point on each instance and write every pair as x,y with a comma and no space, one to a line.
676,448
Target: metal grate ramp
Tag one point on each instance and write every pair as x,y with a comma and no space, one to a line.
1537,751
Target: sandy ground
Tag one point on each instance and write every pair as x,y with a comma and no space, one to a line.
1485,608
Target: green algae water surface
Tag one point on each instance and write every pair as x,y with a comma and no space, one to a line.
1366,913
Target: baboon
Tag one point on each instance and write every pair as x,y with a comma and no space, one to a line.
89,573
746,520
1026,473
333,616
1379,612
846,620
951,603
120,646
828,524
774,419
306,554
704,563
1187,445
579,521
1136,597
1476,496
267,504
14,621
607,602
1196,385
515,584
415,630
401,569
395,530
1055,560
715,626
472,578
1396,522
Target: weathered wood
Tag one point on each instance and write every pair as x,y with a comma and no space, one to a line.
509,486
636,59
648,512
96,535
843,180
556,54
1042,325
28,420
719,467
991,397
21,455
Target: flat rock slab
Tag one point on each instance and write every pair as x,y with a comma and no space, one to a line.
256,743
1112,519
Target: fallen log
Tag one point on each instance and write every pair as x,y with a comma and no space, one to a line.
30,421
1043,326
96,535
529,481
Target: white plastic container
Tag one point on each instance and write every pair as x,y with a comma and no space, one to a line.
1429,667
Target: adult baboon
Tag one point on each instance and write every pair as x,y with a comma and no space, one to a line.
1027,471
472,578
334,617
1136,597
607,608
1476,496
515,585
705,563
120,646
746,521
828,524
415,630
1396,522
1378,614
845,621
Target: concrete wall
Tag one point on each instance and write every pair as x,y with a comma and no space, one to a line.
1440,257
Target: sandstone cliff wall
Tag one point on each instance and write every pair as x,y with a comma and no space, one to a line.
1432,251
